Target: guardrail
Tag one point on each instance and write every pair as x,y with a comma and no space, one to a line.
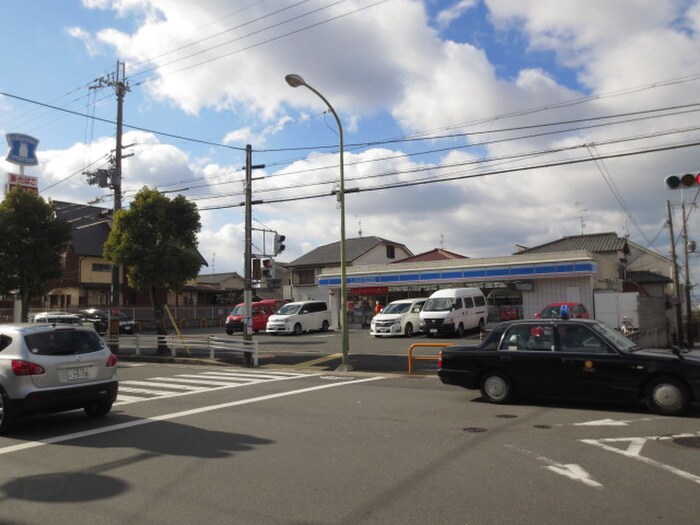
207,345
412,358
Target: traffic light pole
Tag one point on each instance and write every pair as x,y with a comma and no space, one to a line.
676,283
688,305
247,257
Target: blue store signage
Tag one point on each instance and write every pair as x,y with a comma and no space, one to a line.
22,149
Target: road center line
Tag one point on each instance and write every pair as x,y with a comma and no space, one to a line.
176,415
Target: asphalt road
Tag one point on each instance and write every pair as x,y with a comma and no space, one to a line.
220,445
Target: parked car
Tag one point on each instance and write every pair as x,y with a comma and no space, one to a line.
453,311
400,317
295,318
100,320
260,313
52,368
572,359
553,311
55,317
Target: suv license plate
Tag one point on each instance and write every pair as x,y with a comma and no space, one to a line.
76,374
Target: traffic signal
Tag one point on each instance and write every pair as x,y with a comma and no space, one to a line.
279,239
680,182
268,269
256,269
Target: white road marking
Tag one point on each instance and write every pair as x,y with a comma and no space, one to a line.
632,448
612,422
177,415
569,470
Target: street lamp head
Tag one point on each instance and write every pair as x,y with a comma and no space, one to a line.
295,80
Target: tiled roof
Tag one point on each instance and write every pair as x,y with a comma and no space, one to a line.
216,278
329,255
643,277
595,242
436,254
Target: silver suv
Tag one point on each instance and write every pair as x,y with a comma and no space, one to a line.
52,368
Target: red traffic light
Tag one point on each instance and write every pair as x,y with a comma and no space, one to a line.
688,180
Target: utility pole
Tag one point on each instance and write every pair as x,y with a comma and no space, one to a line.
676,283
248,251
688,306
120,85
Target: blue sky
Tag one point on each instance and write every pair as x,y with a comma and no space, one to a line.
468,95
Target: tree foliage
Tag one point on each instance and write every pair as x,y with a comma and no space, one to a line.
156,241
32,243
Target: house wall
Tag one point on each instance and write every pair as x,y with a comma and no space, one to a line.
378,255
92,276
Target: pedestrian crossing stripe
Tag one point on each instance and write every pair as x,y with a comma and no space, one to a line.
135,391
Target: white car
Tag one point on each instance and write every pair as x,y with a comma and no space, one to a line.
400,317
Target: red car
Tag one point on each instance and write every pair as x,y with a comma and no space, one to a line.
553,311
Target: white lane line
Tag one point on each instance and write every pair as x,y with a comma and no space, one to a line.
144,391
176,415
632,448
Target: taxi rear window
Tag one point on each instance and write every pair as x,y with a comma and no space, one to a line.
64,342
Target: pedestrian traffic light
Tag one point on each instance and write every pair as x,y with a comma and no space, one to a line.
256,269
279,247
679,182
268,269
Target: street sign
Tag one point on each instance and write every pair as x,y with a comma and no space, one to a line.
22,149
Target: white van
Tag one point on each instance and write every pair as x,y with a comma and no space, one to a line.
452,311
302,316
400,317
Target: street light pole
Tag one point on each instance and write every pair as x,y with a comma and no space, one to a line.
296,81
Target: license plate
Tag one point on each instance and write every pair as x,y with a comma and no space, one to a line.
76,374
433,330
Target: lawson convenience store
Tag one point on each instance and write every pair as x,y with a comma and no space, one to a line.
515,286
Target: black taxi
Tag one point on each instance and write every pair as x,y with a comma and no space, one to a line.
577,359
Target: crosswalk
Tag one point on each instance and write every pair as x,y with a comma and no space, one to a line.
135,391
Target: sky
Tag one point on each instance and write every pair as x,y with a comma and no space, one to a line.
470,125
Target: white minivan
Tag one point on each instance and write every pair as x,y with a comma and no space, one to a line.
400,317
302,316
452,311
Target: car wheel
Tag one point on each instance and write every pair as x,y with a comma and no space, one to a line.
408,331
460,330
98,409
324,326
667,396
297,329
229,331
496,388
6,416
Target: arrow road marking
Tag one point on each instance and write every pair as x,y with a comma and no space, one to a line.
612,422
569,470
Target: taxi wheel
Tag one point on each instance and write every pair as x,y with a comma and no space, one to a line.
667,396
496,388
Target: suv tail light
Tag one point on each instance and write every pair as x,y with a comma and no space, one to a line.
26,368
440,359
111,360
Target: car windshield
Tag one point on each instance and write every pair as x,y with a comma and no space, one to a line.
64,342
289,309
620,341
397,308
238,310
439,304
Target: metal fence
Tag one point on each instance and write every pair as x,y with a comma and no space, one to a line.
212,347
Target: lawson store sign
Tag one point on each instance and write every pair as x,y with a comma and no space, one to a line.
500,273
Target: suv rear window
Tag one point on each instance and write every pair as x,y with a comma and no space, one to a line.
64,342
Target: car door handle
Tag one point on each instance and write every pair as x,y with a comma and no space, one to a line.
506,358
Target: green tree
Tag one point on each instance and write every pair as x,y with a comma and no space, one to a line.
156,241
32,242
